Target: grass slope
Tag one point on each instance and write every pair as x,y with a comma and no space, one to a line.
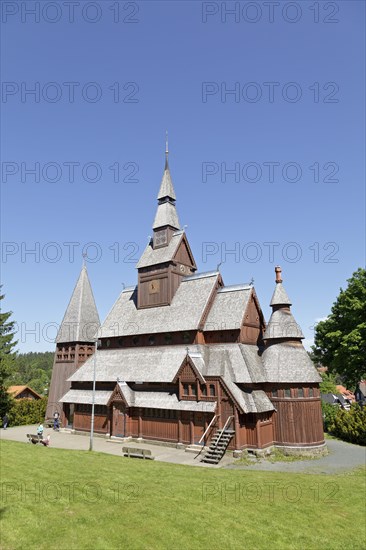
53,498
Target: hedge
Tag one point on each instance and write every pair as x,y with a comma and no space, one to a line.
350,425
27,411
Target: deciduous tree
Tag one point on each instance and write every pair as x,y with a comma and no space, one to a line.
340,340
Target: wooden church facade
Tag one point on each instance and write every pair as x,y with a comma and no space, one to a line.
181,355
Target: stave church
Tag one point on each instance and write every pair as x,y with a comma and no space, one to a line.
183,359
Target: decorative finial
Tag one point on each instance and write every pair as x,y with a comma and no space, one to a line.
84,258
123,286
187,350
166,145
251,281
278,271
218,266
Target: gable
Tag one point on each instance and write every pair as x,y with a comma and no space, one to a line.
188,372
117,395
253,315
184,254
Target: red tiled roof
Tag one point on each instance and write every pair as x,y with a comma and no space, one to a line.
16,390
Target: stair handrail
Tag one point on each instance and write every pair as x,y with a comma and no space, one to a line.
209,426
227,423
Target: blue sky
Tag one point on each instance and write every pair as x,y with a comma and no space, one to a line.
110,78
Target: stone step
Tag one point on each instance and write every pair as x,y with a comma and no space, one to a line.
210,461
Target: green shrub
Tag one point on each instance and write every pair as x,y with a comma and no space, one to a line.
329,414
27,411
351,425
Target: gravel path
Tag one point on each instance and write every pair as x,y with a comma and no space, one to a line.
342,457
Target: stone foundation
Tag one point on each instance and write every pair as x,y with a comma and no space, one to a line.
316,450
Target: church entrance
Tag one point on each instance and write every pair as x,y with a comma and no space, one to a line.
118,426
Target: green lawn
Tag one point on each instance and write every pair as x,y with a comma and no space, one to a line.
53,498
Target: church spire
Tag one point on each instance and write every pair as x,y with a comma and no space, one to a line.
81,319
166,214
282,324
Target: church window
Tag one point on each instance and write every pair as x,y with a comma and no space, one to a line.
274,393
193,389
300,392
185,337
185,389
287,392
135,340
311,392
204,390
108,343
212,390
120,342
168,338
151,340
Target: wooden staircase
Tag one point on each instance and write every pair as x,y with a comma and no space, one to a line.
219,444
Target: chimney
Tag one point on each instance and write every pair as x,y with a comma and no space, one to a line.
278,271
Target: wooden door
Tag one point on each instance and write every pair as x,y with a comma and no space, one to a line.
226,411
118,429
199,426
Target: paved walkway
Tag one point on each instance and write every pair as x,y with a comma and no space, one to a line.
342,456
67,440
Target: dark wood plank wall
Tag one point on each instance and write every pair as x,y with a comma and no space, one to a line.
298,422
82,422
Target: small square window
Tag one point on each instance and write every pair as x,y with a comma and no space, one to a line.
204,390
287,392
193,389
185,389
311,392
274,393
212,390
300,392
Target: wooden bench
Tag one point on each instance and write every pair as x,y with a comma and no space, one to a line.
135,452
34,438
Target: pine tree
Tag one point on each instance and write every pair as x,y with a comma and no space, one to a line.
7,356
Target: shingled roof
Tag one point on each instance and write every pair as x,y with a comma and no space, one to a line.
227,311
166,214
282,325
152,256
289,362
86,397
81,320
280,296
166,186
163,400
183,314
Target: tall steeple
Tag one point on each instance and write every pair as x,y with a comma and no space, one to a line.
166,214
167,257
75,341
282,325
81,319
